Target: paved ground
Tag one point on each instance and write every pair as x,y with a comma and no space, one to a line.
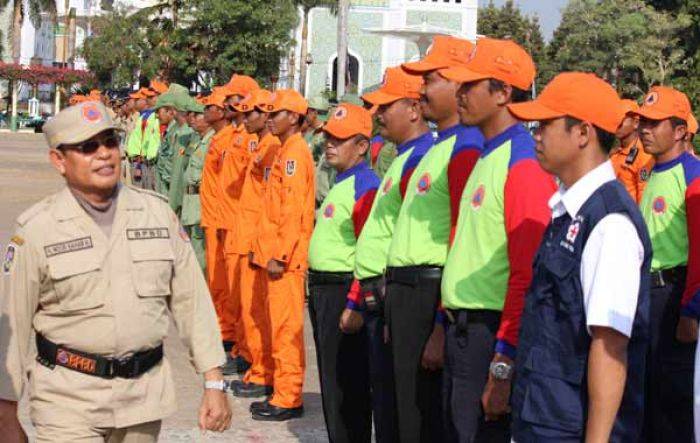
25,178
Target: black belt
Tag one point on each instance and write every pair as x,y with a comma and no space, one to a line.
192,189
665,277
50,354
464,316
329,278
411,275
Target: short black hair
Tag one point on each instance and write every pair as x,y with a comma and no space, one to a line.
606,139
517,96
676,122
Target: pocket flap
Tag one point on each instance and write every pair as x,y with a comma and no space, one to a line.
71,264
560,265
570,369
151,250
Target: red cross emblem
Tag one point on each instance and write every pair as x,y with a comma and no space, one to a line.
572,232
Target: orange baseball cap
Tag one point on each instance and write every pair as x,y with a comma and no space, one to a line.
629,106
502,60
241,85
692,124
286,100
253,99
575,94
216,98
159,87
145,92
397,84
445,51
347,120
137,95
662,102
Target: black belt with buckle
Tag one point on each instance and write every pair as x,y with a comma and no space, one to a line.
665,277
50,354
411,275
329,278
463,317
192,189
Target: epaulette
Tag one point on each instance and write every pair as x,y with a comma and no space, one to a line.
34,210
148,192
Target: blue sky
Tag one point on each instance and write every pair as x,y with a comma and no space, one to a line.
549,12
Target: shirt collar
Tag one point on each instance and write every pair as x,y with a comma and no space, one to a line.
570,200
498,140
425,138
350,172
660,167
447,133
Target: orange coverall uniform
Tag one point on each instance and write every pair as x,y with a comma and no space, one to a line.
253,314
210,194
284,232
633,167
237,155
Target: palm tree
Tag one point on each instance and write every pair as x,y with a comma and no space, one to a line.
19,12
307,6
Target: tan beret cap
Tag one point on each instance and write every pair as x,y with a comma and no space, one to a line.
78,123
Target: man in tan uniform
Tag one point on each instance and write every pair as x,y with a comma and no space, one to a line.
95,271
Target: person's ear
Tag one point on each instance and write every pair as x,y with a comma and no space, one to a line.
414,111
293,118
585,132
362,146
503,95
58,160
680,132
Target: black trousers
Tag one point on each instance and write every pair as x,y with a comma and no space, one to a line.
469,349
342,366
381,376
410,313
668,413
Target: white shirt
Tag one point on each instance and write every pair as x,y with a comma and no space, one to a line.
612,257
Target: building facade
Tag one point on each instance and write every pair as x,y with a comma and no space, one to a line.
370,53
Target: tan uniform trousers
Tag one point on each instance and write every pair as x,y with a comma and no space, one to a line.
72,432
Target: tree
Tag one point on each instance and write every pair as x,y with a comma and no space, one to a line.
19,11
614,39
508,22
307,6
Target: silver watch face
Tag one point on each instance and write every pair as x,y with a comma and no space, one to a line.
500,370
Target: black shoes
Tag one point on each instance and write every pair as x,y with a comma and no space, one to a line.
233,366
264,411
249,390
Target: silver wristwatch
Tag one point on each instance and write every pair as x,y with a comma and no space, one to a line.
219,385
501,370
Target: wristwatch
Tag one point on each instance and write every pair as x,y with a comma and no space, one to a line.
501,370
219,385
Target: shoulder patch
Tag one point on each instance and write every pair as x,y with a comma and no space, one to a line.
9,259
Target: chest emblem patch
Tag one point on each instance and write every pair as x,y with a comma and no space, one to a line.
478,197
387,186
147,233
252,146
644,174
659,205
329,211
423,185
68,246
291,167
573,231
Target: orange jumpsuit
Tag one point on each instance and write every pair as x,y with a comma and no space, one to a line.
633,167
237,155
284,232
253,315
212,221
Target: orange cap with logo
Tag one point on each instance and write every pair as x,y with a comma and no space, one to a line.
575,94
159,87
662,102
502,60
253,99
347,120
397,84
241,85
445,51
286,100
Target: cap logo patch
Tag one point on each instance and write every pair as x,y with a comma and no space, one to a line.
91,114
478,197
328,211
423,185
340,113
659,205
651,98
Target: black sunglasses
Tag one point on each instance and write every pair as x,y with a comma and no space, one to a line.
91,146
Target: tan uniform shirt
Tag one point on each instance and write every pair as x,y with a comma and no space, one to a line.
113,296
